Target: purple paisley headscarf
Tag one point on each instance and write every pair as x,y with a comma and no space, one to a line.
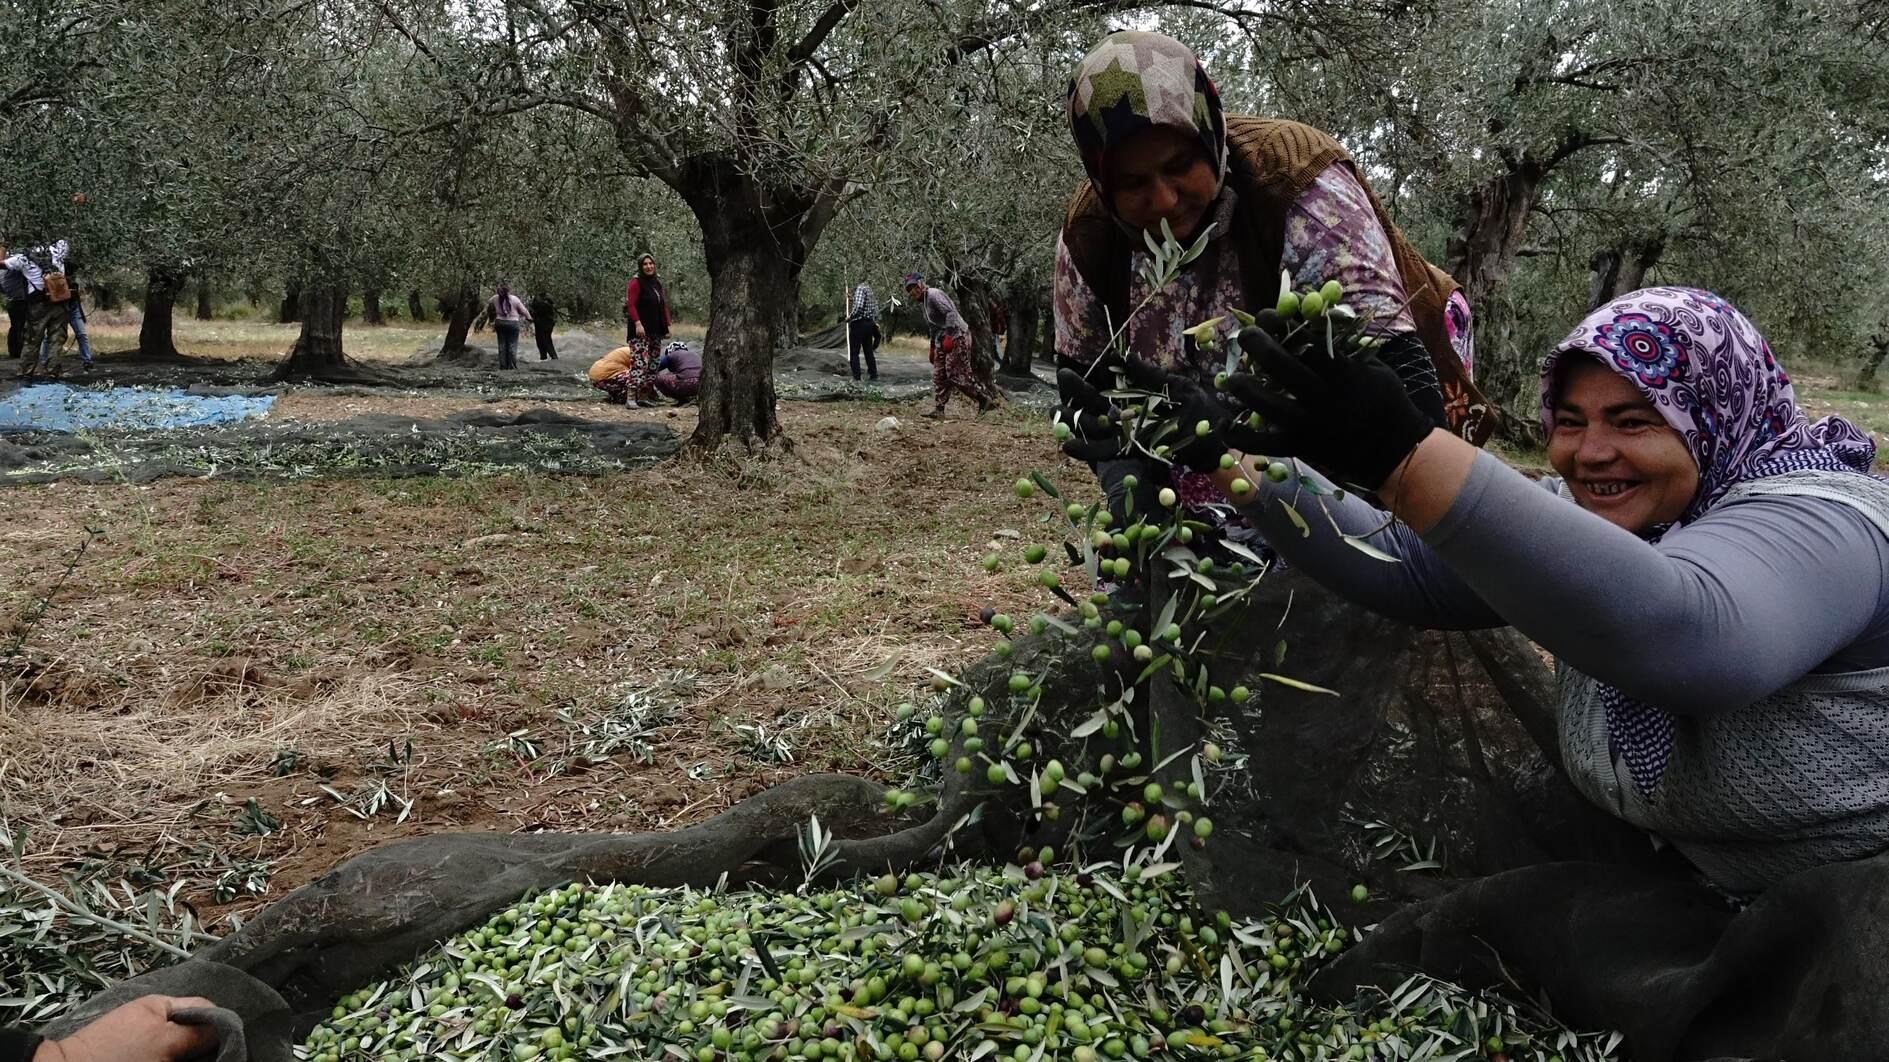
1712,377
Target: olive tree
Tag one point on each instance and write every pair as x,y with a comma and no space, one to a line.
765,116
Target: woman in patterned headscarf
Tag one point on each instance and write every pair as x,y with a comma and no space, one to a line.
1158,150
1717,595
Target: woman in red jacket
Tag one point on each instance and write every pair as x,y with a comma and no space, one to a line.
646,306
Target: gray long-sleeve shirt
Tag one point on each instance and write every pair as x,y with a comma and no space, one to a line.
1720,613
941,314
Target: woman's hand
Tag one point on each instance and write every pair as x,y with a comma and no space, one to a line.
1347,413
1199,417
1351,416
1130,481
138,1031
1094,422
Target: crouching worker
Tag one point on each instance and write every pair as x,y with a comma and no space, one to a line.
679,373
624,375
1710,570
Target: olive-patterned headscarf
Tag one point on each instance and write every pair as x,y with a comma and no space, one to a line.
1133,81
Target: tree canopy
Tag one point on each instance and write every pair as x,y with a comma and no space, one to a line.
772,152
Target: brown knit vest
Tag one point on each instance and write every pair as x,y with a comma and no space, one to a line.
1271,164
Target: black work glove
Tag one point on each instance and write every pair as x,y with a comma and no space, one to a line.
1411,361
1348,414
1095,424
1130,480
1129,503
1178,427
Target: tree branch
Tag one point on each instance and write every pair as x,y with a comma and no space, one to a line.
823,27
834,193
1574,141
996,31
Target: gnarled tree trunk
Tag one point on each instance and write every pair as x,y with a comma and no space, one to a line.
318,353
204,311
753,239
370,307
1483,245
1622,268
1020,346
156,338
291,311
416,310
460,310
1878,350
1489,225
974,299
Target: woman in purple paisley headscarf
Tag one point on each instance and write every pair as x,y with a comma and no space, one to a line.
1710,569
1717,595
1711,377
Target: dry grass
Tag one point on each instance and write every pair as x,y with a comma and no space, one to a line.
238,339
385,343
211,626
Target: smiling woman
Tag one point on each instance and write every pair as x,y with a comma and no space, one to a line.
1717,596
1620,461
1717,600
1267,196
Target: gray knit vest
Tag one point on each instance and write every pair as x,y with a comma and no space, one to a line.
1795,780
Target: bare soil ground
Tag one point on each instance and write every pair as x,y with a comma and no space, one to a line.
242,683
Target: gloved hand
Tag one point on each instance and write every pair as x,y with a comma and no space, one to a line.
1133,488
1094,421
1188,406
1097,438
1348,414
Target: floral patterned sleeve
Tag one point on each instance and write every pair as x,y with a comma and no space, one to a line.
1082,330
1333,234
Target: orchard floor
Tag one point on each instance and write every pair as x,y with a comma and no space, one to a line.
265,658
477,599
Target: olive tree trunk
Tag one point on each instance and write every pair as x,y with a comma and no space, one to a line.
1622,268
416,310
755,240
317,353
156,337
370,307
291,310
1020,346
204,310
974,299
1486,239
1878,350
459,309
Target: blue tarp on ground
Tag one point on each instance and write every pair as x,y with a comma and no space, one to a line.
60,407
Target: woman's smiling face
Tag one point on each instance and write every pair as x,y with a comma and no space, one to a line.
1621,460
